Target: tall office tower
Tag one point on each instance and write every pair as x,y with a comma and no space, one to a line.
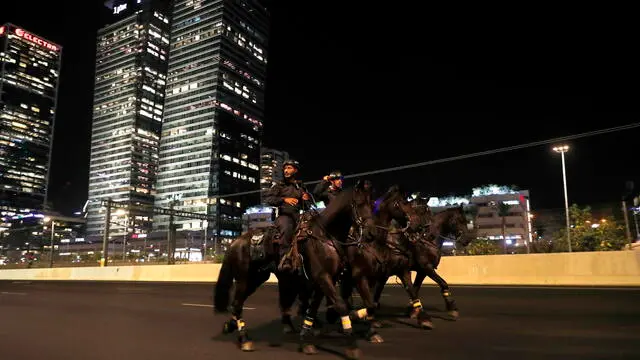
271,161
211,131
130,80
29,75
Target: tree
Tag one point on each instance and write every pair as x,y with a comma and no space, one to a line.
590,234
503,211
482,246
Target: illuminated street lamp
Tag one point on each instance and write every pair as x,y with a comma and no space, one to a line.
563,149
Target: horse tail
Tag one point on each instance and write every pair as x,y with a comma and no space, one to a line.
222,292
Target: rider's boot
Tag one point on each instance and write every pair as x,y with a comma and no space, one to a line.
286,265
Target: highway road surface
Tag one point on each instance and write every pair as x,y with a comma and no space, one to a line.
95,321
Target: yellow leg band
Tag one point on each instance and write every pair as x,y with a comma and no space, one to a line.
446,293
362,313
308,322
417,304
346,322
240,324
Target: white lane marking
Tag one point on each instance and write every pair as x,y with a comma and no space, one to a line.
12,293
210,306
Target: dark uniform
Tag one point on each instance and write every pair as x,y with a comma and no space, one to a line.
288,215
325,191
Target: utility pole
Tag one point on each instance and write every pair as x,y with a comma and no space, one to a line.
53,234
625,212
629,187
105,239
171,237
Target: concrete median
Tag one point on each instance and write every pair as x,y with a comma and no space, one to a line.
613,268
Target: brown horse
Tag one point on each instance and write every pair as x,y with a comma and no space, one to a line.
324,254
425,246
321,259
376,261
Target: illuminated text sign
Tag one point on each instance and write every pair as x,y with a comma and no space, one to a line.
119,8
36,40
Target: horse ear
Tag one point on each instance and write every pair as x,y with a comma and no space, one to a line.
363,185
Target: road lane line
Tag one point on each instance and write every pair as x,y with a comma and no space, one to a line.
210,306
12,293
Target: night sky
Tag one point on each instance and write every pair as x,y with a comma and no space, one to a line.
376,86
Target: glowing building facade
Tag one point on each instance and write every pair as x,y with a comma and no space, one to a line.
487,200
29,76
212,126
271,161
130,80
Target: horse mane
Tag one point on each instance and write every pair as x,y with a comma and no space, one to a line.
393,190
336,206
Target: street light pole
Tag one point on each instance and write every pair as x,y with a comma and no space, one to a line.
53,233
563,149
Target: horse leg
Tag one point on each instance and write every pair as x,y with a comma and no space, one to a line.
367,314
346,289
326,284
382,281
287,297
449,302
245,286
421,273
306,334
417,311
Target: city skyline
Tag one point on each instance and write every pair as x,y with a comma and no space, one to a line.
554,108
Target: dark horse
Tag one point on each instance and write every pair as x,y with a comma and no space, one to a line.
321,261
425,246
375,261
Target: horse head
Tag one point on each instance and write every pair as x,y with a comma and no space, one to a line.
453,221
351,207
393,205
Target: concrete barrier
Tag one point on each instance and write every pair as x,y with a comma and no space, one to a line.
614,268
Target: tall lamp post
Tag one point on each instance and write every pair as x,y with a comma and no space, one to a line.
53,234
563,149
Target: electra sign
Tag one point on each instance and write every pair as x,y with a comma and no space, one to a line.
119,8
36,40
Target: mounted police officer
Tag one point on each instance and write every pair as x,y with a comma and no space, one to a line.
288,196
329,187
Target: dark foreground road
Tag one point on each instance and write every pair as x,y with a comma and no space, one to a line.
91,321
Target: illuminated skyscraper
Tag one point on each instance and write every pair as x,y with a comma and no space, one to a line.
130,80
271,161
29,75
214,110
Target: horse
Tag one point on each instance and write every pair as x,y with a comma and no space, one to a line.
250,260
425,246
324,254
248,256
377,260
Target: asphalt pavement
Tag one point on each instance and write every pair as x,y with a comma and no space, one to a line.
77,320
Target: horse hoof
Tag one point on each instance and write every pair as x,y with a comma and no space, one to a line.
247,346
426,325
353,354
454,314
414,314
376,339
309,349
